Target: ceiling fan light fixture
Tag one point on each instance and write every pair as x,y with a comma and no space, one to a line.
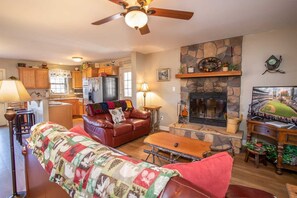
77,59
136,19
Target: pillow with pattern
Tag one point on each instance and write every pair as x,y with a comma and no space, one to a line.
117,115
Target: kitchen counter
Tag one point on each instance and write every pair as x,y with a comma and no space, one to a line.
61,113
56,103
66,98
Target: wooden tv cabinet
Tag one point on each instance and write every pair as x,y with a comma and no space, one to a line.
282,136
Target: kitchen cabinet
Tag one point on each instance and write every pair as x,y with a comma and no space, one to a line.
76,79
61,114
77,106
42,79
34,78
90,72
109,70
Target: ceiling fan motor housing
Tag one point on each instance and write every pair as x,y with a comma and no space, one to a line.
136,17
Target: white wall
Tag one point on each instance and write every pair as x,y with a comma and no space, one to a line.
257,48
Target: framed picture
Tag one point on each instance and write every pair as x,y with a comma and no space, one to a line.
163,74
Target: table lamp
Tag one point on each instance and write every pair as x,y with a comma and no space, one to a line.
13,91
144,88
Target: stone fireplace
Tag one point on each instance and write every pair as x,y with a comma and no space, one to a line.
208,108
213,87
210,96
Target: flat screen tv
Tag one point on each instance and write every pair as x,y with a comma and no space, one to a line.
275,103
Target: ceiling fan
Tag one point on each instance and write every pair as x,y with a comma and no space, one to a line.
137,16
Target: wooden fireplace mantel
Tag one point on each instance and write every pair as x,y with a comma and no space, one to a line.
209,74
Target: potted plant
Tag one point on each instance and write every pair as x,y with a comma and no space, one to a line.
233,67
225,66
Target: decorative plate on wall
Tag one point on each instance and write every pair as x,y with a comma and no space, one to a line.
209,64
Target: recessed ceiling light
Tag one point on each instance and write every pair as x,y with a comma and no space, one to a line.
77,59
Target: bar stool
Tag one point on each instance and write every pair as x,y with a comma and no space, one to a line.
24,120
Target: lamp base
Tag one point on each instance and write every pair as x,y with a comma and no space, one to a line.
19,195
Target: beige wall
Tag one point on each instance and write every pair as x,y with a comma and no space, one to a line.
162,92
257,48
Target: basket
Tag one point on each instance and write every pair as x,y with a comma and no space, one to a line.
233,124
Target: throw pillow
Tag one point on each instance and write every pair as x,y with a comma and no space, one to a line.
77,129
117,115
212,174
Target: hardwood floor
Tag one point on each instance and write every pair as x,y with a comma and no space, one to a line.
243,173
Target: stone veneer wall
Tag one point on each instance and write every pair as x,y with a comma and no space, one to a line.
227,50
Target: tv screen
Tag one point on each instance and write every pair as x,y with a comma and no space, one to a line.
275,103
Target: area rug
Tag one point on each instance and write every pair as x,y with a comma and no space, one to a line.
292,190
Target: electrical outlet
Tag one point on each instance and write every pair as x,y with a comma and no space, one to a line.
161,117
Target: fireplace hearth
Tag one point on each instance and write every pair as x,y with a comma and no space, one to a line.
208,108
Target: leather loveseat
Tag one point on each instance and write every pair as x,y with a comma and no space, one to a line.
98,122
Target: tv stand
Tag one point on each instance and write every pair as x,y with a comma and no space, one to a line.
282,136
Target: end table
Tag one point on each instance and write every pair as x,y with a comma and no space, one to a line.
155,117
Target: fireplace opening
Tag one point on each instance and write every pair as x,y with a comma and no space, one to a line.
208,108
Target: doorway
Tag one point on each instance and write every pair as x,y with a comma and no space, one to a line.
126,88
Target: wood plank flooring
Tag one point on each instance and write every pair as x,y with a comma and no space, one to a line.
243,173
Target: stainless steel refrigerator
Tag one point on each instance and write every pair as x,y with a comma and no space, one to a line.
100,89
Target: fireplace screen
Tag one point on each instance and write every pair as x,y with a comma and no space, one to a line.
208,108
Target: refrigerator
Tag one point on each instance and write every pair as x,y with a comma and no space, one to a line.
100,89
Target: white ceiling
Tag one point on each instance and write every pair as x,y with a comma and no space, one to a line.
55,30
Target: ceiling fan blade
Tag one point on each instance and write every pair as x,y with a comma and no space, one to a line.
107,19
144,30
170,13
120,2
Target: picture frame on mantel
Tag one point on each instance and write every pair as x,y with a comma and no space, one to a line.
163,74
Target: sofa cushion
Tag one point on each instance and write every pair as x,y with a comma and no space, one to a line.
137,123
121,129
135,113
117,115
212,174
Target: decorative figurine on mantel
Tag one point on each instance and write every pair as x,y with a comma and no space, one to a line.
272,64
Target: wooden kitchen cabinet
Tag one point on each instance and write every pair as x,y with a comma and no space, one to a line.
90,72
42,79
27,76
76,79
34,78
109,70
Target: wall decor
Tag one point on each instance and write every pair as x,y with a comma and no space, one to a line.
272,65
209,64
163,74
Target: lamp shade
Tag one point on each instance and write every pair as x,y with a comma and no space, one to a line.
13,91
144,87
136,19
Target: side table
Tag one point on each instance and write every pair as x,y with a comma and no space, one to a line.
155,117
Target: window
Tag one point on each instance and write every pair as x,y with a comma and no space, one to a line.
59,85
128,84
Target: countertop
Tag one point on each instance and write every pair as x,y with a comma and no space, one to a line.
55,104
65,98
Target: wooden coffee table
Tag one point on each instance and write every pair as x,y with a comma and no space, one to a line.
176,146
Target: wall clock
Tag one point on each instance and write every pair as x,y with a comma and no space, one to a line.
272,65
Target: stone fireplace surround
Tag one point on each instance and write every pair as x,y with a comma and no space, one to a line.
228,50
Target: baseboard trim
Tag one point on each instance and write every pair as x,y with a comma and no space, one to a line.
164,128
